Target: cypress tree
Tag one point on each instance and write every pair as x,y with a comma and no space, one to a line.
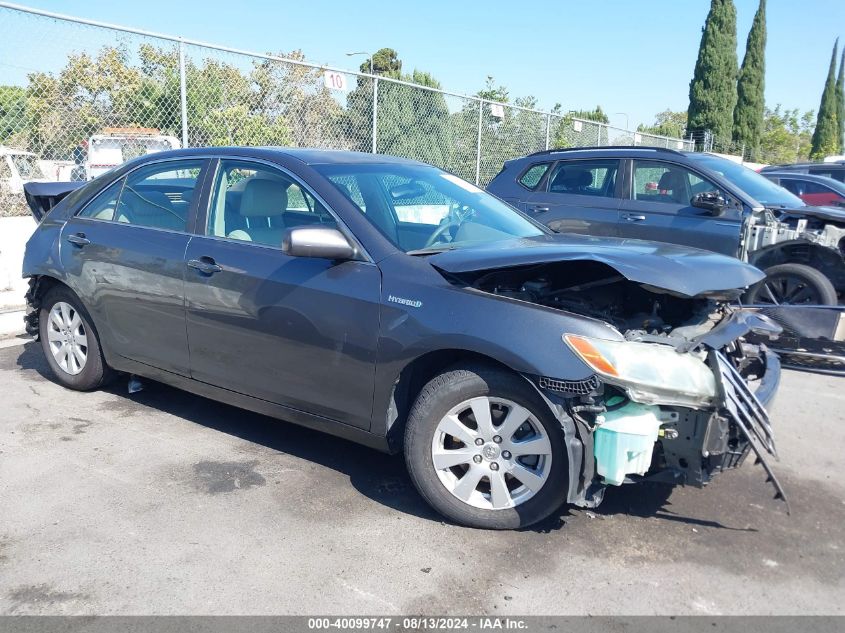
825,141
840,102
712,91
750,105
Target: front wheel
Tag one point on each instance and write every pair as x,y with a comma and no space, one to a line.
483,448
793,284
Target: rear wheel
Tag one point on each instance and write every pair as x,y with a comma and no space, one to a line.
484,449
70,341
793,284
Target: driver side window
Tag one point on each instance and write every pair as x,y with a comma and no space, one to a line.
253,202
668,183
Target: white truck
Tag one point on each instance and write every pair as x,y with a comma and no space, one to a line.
114,146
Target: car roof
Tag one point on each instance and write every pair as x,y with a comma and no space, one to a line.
797,175
304,155
621,151
787,166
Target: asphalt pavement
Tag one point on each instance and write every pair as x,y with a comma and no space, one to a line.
161,502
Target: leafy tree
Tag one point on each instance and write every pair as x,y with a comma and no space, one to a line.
12,112
412,122
666,123
298,95
492,92
712,91
840,103
786,135
826,139
750,106
567,133
386,63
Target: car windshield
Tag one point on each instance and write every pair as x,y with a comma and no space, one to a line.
27,166
422,209
758,187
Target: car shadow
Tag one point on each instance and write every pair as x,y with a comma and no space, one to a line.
379,477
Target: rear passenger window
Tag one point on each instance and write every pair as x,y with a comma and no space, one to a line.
159,195
103,205
254,203
585,177
532,177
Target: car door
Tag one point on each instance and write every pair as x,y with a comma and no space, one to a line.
658,207
579,196
295,331
124,256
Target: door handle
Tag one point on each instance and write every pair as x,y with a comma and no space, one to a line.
539,209
633,217
78,239
205,265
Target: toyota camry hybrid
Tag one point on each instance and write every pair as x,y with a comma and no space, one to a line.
394,304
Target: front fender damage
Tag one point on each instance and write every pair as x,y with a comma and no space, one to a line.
689,446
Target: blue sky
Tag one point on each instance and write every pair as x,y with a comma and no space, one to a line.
633,57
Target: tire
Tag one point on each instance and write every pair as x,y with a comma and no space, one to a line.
72,331
501,393
794,284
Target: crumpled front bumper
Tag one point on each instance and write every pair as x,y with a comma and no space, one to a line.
697,444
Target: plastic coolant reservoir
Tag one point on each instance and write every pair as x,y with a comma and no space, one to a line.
624,440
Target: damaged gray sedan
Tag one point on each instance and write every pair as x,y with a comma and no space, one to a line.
396,305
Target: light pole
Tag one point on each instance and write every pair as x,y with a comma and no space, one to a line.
625,114
363,53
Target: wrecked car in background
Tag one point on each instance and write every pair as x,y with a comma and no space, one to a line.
688,198
396,305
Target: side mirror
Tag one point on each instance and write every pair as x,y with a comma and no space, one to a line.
317,241
710,201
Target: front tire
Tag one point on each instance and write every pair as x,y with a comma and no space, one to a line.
484,450
793,284
70,342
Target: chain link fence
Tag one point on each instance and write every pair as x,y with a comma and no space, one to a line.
79,97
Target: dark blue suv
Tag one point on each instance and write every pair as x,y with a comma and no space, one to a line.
688,198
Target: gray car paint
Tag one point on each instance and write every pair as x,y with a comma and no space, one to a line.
683,270
676,224
327,320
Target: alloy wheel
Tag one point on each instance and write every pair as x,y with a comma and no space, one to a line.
491,453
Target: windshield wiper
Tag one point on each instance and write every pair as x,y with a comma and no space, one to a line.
431,250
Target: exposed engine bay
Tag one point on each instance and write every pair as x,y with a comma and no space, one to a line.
769,230
631,432
595,290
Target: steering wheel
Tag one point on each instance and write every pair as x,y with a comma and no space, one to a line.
439,231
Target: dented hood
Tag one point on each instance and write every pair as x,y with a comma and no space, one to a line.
678,269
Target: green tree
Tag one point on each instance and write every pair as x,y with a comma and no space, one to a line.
411,122
840,103
786,135
297,94
666,123
826,139
750,105
712,91
571,131
386,63
12,113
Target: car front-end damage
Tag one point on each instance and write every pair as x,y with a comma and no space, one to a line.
675,394
814,236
